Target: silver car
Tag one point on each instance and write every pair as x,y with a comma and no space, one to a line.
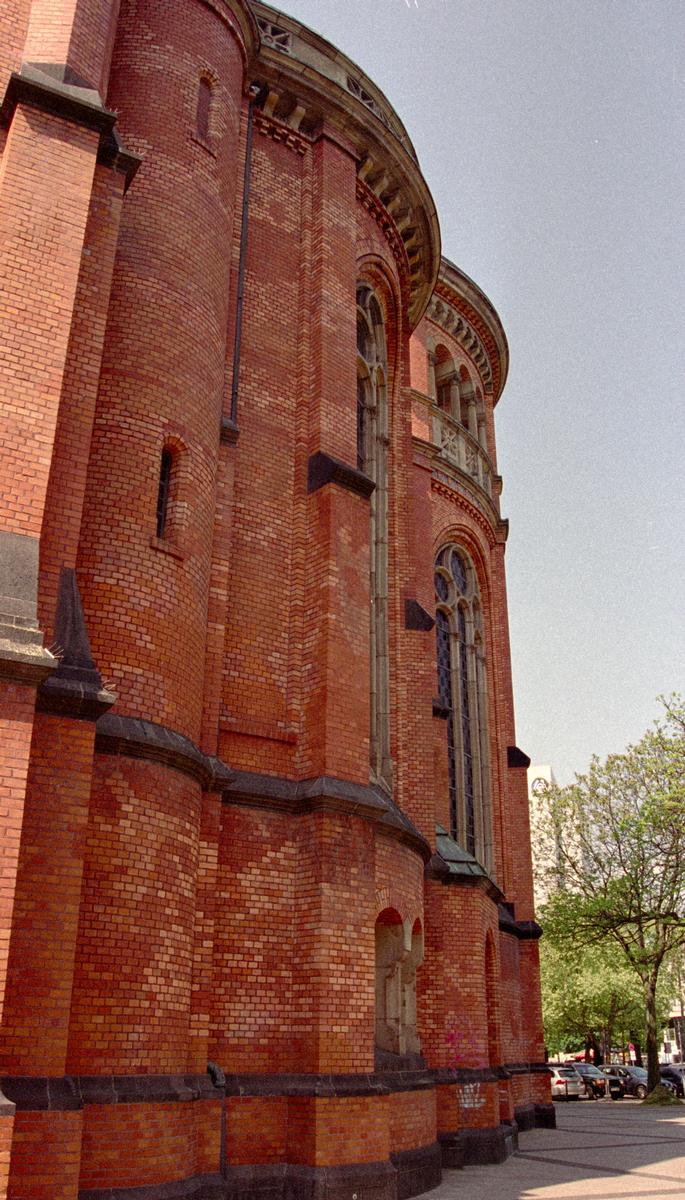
566,1084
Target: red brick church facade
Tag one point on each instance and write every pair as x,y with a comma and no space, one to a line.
266,914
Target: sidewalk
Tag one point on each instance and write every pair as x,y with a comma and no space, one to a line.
602,1150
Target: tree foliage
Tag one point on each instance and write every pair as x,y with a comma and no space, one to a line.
615,842
591,997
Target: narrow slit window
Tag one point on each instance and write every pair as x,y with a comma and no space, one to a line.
163,493
204,104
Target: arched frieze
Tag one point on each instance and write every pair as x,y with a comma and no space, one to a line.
456,326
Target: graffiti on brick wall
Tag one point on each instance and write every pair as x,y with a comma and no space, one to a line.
462,1044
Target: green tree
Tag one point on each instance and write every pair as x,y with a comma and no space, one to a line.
616,842
590,997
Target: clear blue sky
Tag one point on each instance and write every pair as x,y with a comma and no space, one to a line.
551,135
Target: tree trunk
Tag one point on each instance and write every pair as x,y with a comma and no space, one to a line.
653,1073
593,1053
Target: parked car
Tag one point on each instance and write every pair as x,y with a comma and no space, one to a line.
617,1080
634,1079
594,1079
629,1080
674,1073
566,1083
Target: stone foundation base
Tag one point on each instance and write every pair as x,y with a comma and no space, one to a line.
409,1173
475,1147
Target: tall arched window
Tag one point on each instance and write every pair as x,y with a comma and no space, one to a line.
462,688
372,459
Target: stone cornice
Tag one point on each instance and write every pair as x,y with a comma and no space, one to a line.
71,1093
327,793
137,738
309,83
466,300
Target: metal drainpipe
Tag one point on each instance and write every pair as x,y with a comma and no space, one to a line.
255,97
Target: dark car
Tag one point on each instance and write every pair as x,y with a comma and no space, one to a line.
674,1073
617,1080
635,1079
595,1082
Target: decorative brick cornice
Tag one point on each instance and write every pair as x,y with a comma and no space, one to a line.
375,207
67,1093
282,132
494,529
517,758
444,313
75,689
524,931
71,1093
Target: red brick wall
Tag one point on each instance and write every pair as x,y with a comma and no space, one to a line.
163,364
33,1037
16,724
257,1129
330,1132
134,1145
203,930
132,980
46,1156
452,985
251,1026
69,465
73,33
413,1120
46,176
14,19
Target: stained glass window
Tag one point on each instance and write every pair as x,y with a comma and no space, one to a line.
461,690
372,459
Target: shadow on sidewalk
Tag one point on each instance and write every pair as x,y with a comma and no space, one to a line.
603,1149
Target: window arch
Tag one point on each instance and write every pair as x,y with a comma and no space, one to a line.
372,459
462,688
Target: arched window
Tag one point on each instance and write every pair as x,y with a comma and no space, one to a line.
204,105
372,459
462,687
